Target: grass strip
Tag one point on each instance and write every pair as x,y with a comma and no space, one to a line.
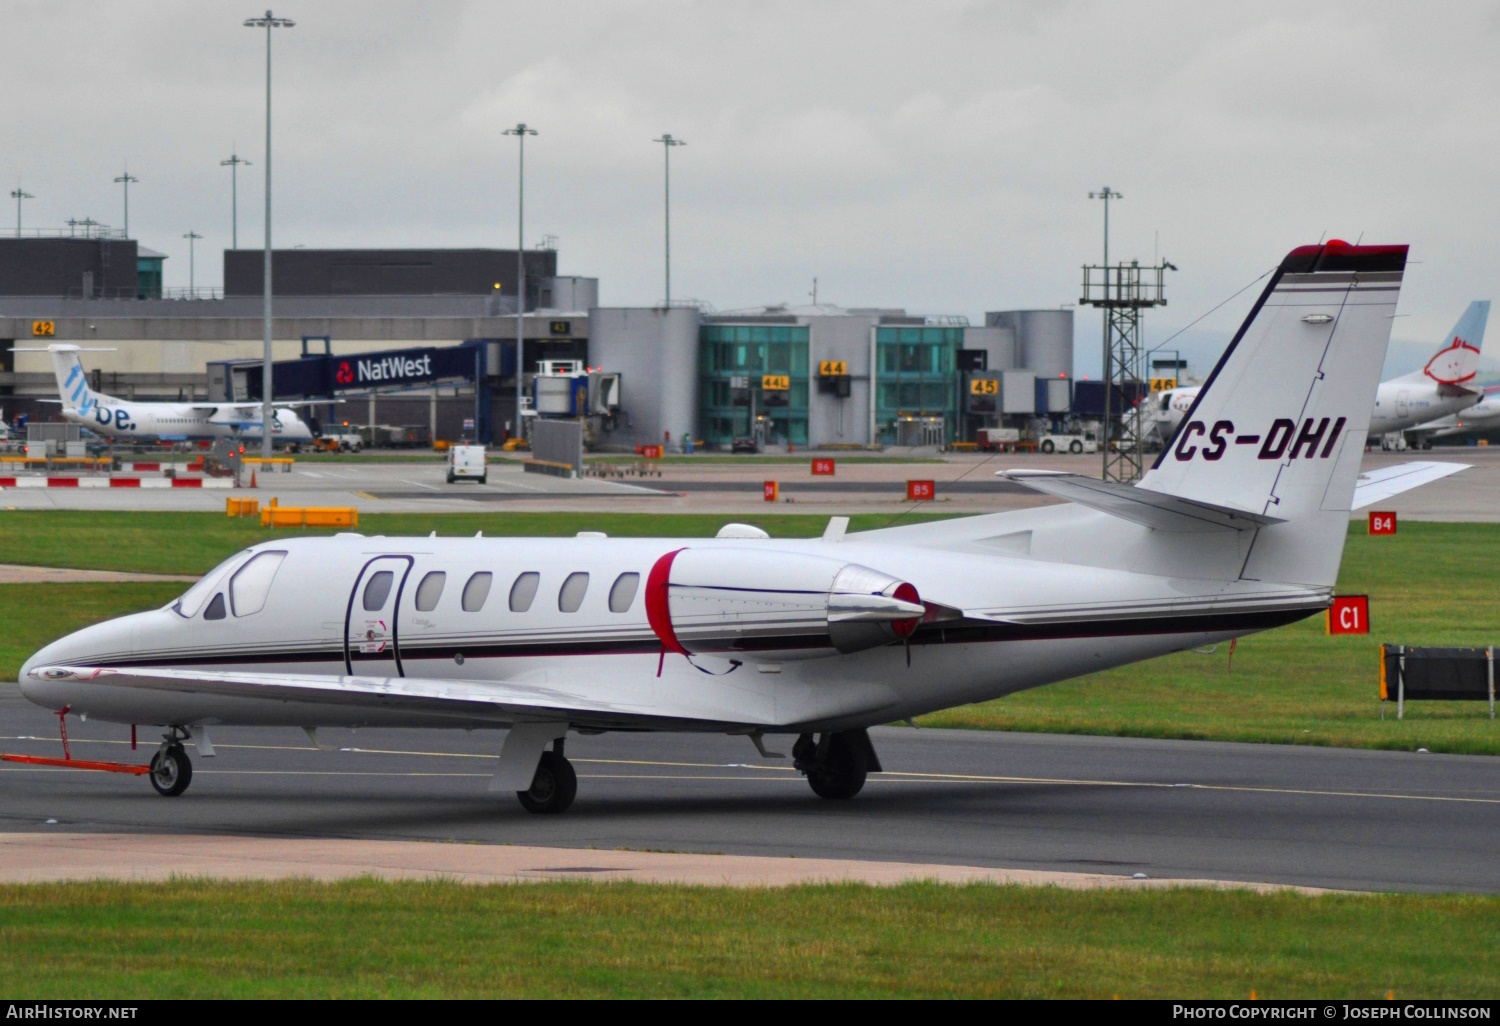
365,938
192,543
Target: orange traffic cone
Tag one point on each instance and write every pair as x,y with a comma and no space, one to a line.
252,479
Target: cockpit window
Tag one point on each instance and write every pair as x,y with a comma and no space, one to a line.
378,590
215,610
251,583
192,600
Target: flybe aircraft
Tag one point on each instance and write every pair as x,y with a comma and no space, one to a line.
1238,529
169,422
1444,386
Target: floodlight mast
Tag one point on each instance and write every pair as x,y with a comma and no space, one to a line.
267,411
233,163
520,132
125,180
19,194
667,143
192,237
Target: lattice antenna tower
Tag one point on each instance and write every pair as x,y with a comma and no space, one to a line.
1122,291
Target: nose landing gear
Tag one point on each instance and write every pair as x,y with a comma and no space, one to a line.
836,764
171,771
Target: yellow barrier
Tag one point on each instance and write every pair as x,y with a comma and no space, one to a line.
284,462
241,507
308,516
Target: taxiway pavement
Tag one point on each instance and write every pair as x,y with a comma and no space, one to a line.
1319,817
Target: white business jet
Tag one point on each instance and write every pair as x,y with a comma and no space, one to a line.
1238,530
1443,387
170,422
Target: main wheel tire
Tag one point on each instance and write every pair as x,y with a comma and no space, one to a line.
171,772
553,788
484,478
1047,446
451,479
842,773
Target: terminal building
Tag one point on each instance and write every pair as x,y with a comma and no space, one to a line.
426,339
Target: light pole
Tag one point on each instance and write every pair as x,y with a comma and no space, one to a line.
1106,194
19,194
192,285
267,413
667,142
520,132
233,163
125,180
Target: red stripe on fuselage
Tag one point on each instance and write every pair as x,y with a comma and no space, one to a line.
658,608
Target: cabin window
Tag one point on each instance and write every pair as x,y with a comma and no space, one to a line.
523,591
215,610
430,590
378,590
476,591
251,583
570,596
622,592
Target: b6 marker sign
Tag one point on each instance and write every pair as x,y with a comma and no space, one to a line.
821,466
1349,614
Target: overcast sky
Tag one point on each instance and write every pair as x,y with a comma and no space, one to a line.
936,156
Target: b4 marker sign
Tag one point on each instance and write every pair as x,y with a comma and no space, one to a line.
1382,523
1349,614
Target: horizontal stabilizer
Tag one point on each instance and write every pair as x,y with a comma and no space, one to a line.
1156,510
1376,485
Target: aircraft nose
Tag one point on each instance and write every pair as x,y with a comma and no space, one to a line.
92,646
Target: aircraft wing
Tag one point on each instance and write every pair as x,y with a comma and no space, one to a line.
500,701
1152,509
1385,482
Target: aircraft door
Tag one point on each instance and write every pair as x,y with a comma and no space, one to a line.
1403,403
371,644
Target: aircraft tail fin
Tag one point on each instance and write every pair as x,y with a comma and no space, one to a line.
72,380
1278,428
1456,361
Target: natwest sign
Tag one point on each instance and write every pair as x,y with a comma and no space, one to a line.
392,368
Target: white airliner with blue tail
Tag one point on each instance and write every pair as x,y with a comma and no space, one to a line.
116,418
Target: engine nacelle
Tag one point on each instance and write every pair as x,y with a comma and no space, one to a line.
754,600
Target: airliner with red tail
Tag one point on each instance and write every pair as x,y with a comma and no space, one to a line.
1238,529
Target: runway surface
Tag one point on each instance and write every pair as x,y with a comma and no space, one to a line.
1119,806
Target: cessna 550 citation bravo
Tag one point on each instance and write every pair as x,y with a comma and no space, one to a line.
1238,528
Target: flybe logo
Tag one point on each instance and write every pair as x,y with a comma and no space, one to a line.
77,390
1315,439
394,368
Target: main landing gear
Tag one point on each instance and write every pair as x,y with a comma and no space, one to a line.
555,785
171,772
836,764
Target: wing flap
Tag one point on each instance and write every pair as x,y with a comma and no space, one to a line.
1156,510
1386,482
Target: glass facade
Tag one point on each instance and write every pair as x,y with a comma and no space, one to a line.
751,351
917,376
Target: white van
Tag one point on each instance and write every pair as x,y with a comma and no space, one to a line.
467,461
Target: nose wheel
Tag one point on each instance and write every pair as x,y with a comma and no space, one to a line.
171,771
